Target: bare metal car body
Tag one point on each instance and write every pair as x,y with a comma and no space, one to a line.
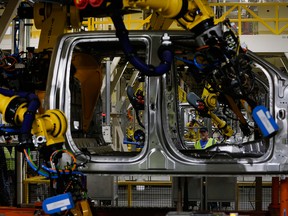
164,151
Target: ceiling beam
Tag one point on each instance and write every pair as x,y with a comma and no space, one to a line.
7,16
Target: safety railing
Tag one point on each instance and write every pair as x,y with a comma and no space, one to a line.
135,188
246,195
160,194
35,180
269,17
132,22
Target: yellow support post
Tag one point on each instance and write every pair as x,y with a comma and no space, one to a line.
129,191
33,180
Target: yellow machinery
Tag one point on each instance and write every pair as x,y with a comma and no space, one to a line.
54,19
195,16
49,128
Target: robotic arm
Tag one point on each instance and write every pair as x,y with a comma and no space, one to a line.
189,14
193,15
19,110
45,132
219,60
196,15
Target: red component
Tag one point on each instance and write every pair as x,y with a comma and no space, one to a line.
81,4
140,97
140,100
95,3
201,106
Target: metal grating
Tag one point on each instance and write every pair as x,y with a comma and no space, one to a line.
38,192
145,196
246,197
162,196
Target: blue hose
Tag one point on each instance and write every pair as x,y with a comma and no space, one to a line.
7,92
8,130
165,54
130,142
61,172
33,105
50,173
29,116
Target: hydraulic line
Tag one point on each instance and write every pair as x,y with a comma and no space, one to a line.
30,100
165,54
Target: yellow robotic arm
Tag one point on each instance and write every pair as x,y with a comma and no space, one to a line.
219,50
19,110
205,106
49,128
188,13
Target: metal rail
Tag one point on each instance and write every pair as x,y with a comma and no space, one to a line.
275,19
